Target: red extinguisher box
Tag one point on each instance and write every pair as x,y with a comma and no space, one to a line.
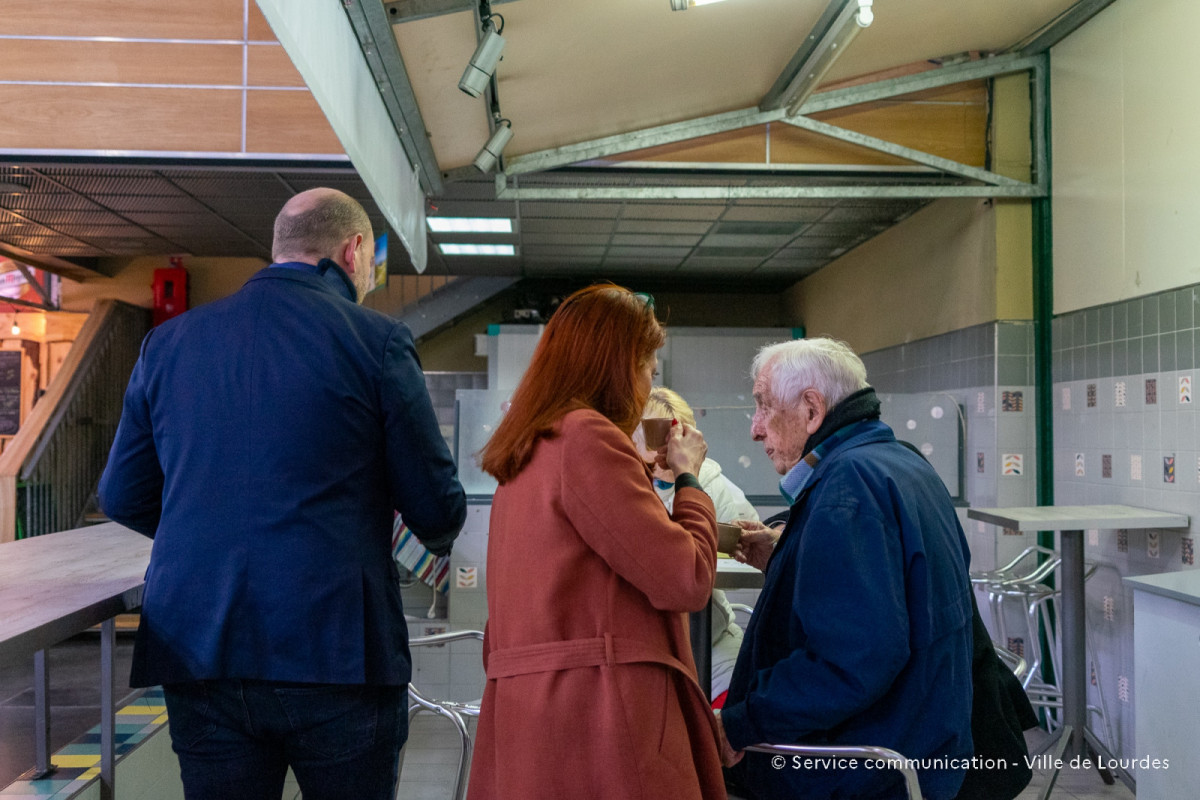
170,292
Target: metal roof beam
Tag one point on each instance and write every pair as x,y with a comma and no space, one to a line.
1067,23
413,10
899,151
373,28
930,79
725,193
776,96
542,160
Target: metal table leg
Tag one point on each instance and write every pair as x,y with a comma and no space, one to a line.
41,713
108,712
1073,641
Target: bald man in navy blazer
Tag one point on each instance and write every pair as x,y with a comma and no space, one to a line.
265,440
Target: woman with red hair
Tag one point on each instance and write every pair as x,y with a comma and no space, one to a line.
591,688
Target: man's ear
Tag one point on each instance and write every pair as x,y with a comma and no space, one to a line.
349,250
813,408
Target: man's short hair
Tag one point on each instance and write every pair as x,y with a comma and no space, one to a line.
824,364
319,226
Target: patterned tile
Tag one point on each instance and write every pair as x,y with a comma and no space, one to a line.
79,762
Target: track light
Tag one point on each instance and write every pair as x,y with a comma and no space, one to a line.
483,62
490,154
856,15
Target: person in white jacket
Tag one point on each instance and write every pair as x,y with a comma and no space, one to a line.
730,504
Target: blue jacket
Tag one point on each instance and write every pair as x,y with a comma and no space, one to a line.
265,440
862,632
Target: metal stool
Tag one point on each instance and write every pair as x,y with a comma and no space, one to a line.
450,709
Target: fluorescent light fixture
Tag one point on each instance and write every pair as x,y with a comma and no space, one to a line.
469,224
478,249
483,62
684,5
857,15
489,156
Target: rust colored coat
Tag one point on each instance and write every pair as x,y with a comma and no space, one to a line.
591,689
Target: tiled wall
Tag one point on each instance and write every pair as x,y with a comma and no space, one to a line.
987,370
1125,424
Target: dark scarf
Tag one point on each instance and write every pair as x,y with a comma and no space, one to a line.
863,404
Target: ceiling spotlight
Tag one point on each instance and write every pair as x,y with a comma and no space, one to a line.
490,154
684,5
483,62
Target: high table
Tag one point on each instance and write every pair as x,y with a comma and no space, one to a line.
55,586
1071,522
730,575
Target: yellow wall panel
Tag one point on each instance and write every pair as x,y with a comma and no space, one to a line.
142,19
287,122
119,118
271,66
120,62
746,146
792,145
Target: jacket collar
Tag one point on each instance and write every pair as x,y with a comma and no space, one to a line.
325,276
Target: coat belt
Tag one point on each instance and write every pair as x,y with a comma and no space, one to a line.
599,651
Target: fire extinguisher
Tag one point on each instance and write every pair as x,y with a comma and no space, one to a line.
170,291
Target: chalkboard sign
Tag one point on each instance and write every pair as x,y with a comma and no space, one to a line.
10,392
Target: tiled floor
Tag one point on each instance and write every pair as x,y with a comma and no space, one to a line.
74,699
430,762
1071,784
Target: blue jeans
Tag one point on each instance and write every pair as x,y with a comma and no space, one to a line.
236,738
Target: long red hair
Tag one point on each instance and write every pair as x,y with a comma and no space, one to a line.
590,356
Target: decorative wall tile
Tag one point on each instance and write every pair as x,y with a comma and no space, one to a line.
979,463
1013,532
1106,465
1123,689
1168,469
1135,467
1093,538
1151,391
1092,671
1153,549
466,578
1185,389
980,403
1122,541
1079,465
1110,609
1012,401
1016,645
1091,395
1013,463
1066,398
1189,550
1120,394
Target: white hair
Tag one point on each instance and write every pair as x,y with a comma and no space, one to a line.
827,365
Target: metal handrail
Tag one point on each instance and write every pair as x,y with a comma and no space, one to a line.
57,478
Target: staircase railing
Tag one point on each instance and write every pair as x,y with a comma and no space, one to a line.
49,471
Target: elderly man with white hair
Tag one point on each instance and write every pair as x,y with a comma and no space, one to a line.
862,632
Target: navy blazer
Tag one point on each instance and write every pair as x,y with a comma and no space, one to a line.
264,442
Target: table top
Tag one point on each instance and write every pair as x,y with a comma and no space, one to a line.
1070,518
736,575
1183,586
54,586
